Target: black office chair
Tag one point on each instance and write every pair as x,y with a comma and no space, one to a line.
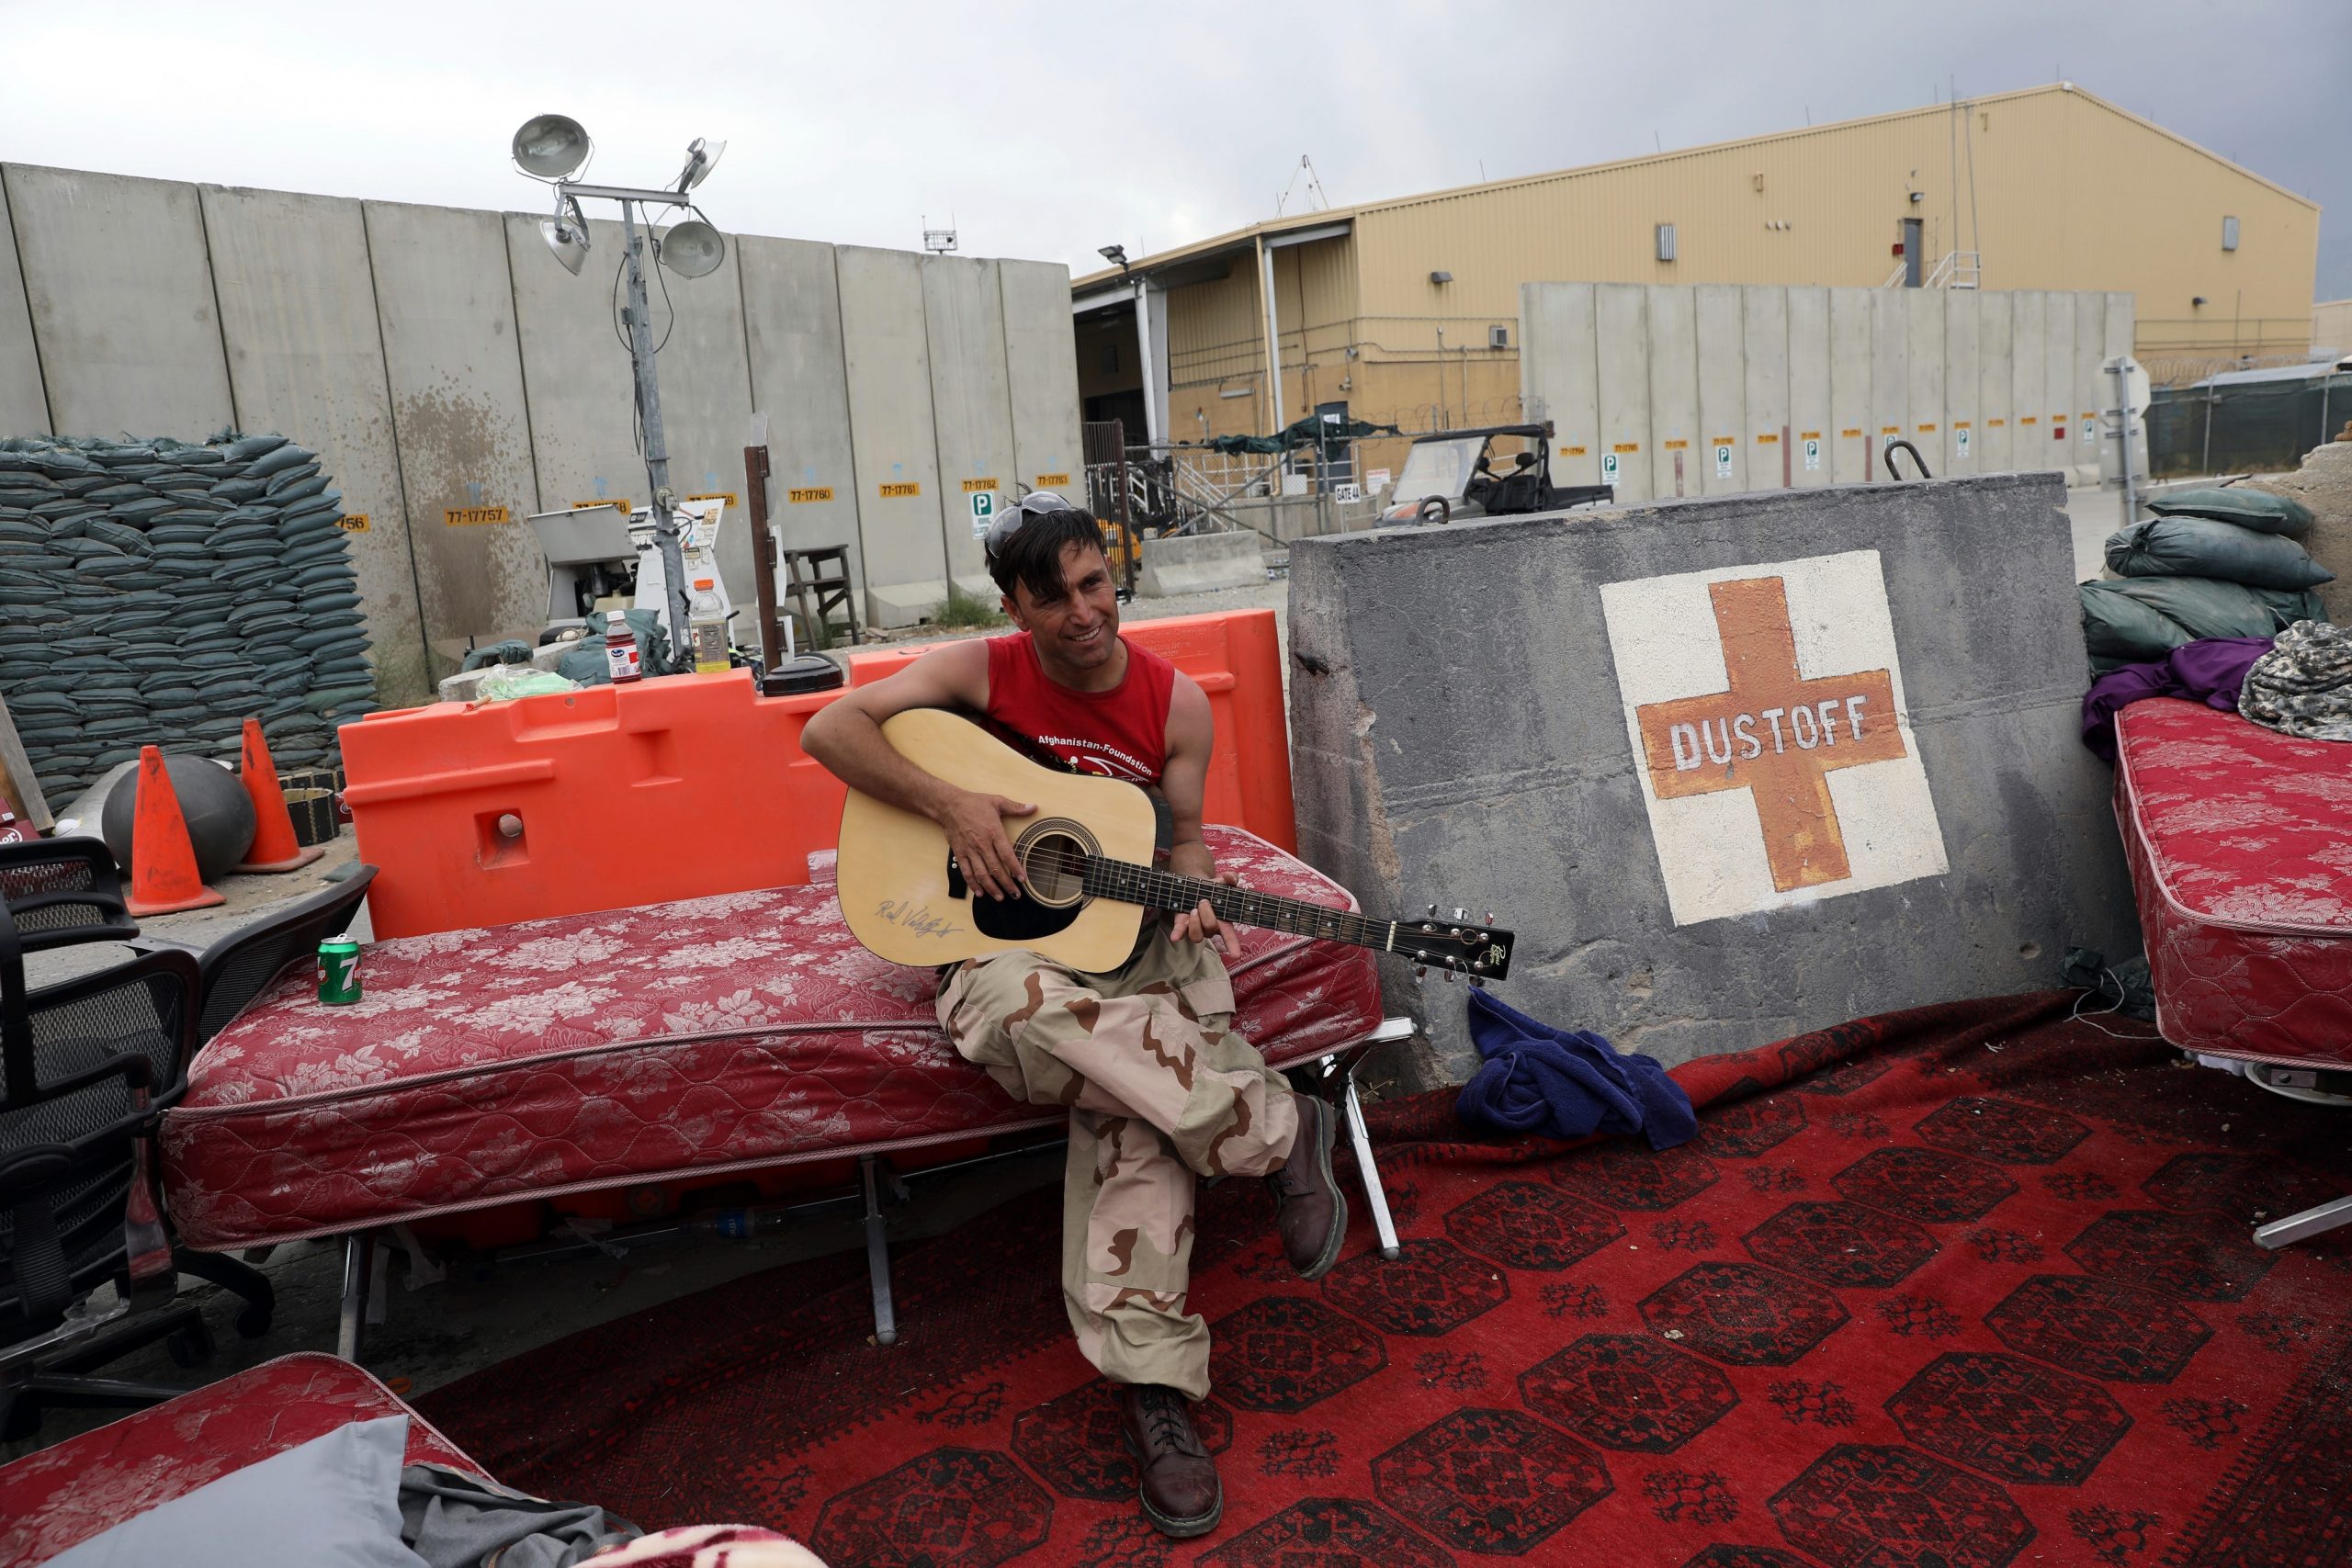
86,1067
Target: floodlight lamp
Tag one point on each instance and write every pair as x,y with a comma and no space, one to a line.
702,156
551,146
692,249
567,240
1116,254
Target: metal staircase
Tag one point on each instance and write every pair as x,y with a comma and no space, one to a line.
1961,270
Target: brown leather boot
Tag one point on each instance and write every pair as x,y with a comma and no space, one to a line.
1179,1488
1309,1209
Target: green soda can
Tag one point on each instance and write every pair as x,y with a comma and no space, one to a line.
338,971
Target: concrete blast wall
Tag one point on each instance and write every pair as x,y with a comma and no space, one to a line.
445,366
1745,766
1721,389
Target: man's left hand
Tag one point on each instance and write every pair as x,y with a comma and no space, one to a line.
1199,924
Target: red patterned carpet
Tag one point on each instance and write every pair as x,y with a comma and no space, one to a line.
1956,1288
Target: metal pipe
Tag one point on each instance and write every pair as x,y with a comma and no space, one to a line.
2124,435
657,452
1274,341
1154,422
755,496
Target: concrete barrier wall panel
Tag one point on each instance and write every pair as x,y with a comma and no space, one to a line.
1853,431
1724,443
1963,426
2058,381
306,358
1995,382
971,403
792,317
1811,428
1889,374
1924,399
887,357
1559,368
577,371
24,406
2029,357
1676,437
1769,438
1620,315
1041,372
446,304
121,294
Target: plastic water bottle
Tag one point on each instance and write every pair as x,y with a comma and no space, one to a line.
621,659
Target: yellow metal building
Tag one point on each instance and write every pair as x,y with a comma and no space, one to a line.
1406,311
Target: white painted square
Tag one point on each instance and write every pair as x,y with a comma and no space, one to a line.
1668,646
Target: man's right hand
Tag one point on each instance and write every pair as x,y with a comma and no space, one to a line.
974,824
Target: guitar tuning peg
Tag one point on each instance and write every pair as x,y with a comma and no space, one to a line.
1420,971
1490,916
1477,984
1461,914
1432,911
1449,975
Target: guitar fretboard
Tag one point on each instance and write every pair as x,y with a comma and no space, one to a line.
1158,890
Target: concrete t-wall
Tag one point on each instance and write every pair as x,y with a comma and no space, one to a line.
120,292
1666,375
446,308
24,404
442,360
306,355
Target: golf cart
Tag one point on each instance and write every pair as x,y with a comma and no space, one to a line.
1500,471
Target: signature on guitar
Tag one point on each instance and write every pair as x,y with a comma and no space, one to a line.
916,918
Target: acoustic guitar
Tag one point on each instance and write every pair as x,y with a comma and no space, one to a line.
1086,858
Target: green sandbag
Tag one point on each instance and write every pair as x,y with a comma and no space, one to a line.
2147,617
2254,509
276,462
246,448
2202,546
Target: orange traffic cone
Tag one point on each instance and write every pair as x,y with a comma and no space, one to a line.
274,848
163,858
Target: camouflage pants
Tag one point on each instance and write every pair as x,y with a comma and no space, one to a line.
1159,1089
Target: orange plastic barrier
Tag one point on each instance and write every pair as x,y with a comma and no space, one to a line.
486,814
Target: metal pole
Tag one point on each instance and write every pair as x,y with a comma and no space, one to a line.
755,494
1154,426
657,454
1273,340
2124,435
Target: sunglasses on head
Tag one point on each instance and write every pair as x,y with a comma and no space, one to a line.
1037,504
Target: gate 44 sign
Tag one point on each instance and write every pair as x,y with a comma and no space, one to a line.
1765,709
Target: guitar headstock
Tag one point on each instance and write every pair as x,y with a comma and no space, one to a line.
1457,943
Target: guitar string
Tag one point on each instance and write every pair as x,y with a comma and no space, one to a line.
1100,877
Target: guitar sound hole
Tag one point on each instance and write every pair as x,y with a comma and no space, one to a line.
1053,855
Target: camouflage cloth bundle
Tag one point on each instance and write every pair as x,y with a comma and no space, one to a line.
162,591
2303,685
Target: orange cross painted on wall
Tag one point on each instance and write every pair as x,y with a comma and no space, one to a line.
1773,733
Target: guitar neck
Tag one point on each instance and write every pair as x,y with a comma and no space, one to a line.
1159,890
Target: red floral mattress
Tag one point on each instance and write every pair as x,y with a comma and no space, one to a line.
62,1495
714,1035
2240,840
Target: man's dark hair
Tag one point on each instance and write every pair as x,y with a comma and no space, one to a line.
1032,557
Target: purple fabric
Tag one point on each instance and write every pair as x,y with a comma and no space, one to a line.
2210,669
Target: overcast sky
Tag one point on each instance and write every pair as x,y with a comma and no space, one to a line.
1048,129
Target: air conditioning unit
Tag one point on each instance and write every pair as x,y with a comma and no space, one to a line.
1498,337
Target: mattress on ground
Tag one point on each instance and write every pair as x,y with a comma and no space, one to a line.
62,1495
713,1034
2242,863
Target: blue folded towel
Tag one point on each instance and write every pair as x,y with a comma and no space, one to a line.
1567,1084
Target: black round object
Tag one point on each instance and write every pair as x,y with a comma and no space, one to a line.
219,815
808,673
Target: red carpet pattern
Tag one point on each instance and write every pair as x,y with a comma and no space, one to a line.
1964,1287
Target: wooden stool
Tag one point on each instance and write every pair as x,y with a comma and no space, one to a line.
819,585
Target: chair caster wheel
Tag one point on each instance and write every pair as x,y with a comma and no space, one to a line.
252,1321
191,1346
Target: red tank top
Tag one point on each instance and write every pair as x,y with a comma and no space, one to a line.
1120,734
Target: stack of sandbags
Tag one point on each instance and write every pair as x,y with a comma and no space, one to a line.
2212,563
156,591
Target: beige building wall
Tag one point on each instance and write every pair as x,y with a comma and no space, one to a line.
2067,192
2332,326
